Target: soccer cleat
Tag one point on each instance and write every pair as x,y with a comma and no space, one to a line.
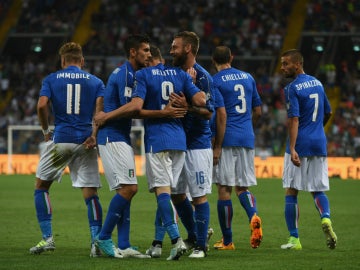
256,231
94,251
108,248
330,235
154,251
178,249
221,246
218,243
198,252
190,244
209,234
44,245
132,253
293,243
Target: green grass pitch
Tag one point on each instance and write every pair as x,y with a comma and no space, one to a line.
19,230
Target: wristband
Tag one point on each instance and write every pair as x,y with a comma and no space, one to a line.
46,131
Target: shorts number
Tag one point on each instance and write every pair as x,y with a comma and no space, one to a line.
200,178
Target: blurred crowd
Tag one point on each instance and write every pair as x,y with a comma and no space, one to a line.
250,29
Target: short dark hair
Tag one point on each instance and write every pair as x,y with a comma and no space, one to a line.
155,52
295,55
134,42
190,38
221,55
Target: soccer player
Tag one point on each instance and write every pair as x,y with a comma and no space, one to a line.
116,151
165,141
236,165
74,95
305,160
196,176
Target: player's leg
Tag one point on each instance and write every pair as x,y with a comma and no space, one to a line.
319,180
292,218
244,178
47,172
225,215
44,216
155,249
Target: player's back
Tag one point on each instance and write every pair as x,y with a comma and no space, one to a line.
308,101
240,95
154,85
73,93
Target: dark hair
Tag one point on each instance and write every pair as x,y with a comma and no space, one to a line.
295,55
134,42
155,52
221,55
190,38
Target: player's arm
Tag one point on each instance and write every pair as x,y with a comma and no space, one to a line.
293,123
90,142
43,116
220,131
128,110
256,114
197,105
169,111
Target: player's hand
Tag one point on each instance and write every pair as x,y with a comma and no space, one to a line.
90,142
216,155
100,118
174,112
295,159
178,101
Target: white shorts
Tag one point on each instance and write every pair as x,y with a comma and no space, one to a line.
312,175
196,176
236,167
119,164
163,168
83,164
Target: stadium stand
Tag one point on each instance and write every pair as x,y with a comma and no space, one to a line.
256,32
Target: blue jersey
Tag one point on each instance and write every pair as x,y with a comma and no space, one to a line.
198,133
240,94
73,93
219,103
117,93
306,99
154,85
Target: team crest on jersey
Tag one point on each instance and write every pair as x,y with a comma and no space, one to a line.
131,173
128,91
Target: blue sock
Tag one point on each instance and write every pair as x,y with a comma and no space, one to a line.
159,228
225,214
116,206
292,215
186,214
94,216
322,204
202,216
168,215
43,212
248,202
123,228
